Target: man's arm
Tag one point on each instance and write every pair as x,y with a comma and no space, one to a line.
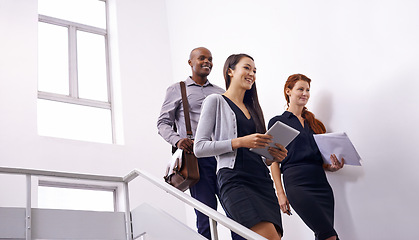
167,116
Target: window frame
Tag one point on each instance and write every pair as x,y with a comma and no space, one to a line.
73,96
83,186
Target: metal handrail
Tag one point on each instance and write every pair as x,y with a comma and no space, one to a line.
214,216
33,172
46,173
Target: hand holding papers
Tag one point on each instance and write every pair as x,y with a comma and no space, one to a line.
339,144
174,161
282,134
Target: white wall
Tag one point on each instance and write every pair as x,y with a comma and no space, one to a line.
143,70
359,54
361,57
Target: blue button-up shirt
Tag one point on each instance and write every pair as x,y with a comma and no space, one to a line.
172,109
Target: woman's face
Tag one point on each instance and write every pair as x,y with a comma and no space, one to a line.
244,75
299,94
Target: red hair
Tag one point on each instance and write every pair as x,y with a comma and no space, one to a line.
316,125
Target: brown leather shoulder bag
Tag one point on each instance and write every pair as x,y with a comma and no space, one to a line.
182,171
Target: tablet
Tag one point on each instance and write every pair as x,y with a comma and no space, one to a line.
282,134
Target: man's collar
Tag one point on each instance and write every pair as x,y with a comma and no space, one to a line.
190,82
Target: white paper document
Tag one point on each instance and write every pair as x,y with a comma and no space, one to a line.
338,144
173,161
282,134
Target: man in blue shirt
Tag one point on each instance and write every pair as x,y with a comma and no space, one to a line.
197,88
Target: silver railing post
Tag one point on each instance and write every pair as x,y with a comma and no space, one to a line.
213,228
28,207
127,212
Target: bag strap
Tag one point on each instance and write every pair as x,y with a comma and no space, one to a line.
186,109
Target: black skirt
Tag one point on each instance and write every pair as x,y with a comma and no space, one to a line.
311,196
249,198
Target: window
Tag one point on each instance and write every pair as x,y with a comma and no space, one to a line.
71,196
74,88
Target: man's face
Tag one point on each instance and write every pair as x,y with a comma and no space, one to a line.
201,62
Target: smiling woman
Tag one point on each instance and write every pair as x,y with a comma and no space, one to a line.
243,176
305,182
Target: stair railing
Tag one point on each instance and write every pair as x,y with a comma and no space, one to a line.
44,173
214,216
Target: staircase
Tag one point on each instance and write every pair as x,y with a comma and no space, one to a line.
144,222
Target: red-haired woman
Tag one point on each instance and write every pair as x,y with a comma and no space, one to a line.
305,182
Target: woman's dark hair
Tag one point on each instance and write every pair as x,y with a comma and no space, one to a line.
316,125
250,100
